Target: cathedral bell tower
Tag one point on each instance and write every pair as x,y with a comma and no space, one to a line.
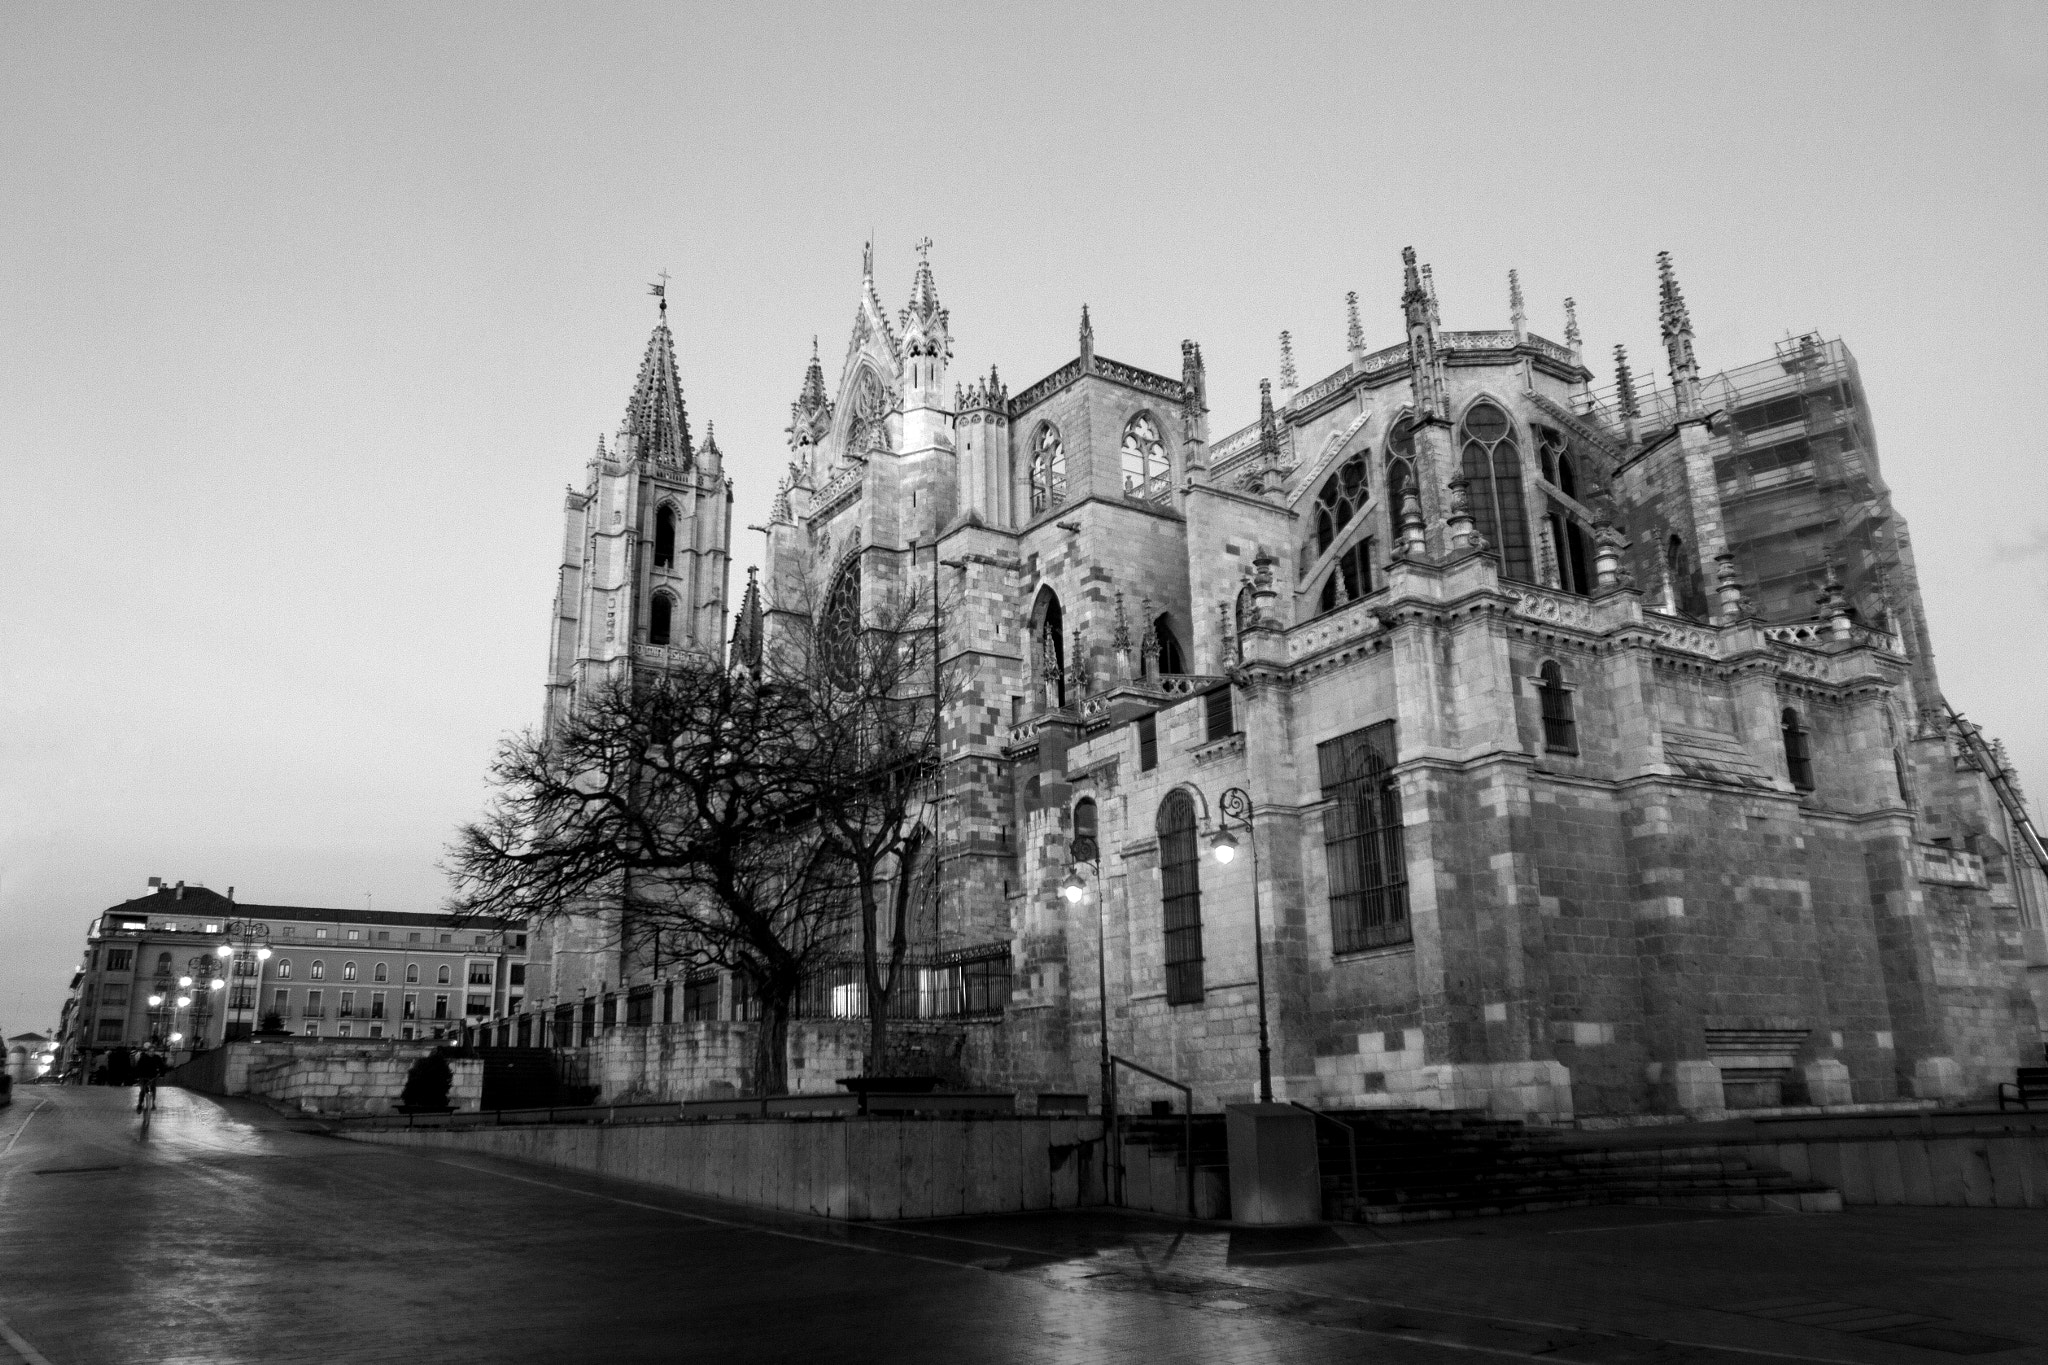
647,541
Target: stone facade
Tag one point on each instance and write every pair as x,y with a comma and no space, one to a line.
1591,743
325,1077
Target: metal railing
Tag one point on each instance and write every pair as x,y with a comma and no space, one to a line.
1187,1125
1350,1138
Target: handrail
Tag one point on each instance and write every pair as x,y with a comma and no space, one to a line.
1187,1127
1350,1137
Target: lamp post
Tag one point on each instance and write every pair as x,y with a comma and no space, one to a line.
1074,889
180,998
1236,805
250,939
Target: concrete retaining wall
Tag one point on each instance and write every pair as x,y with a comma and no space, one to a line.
858,1168
1969,1170
325,1076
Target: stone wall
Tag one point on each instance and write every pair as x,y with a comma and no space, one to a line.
857,1168
325,1076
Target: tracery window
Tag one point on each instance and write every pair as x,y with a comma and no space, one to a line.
1145,469
1048,469
1170,658
664,537
1492,465
660,619
1342,498
1180,877
1560,730
1362,840
839,627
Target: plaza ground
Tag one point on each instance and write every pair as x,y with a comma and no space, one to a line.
223,1232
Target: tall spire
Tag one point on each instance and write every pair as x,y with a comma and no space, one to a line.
746,632
1269,428
1418,307
924,316
1087,339
1571,327
1288,380
1354,333
810,416
1676,324
657,427
1194,390
1518,315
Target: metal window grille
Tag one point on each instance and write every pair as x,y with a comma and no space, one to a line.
700,998
1362,842
668,1002
1222,720
972,983
1148,743
565,1026
1180,862
611,1010
1560,731
588,1021
640,1005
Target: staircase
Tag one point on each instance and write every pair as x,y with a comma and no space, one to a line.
1417,1165
520,1078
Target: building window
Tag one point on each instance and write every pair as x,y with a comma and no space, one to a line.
1350,577
839,627
410,1007
1048,469
1170,657
1180,877
1798,755
376,1004
1341,499
284,969
1148,743
383,936
1221,714
1493,471
440,1007
660,617
412,972
348,971
442,977
640,1005
1145,470
114,993
480,940
588,1021
281,1003
1362,843
413,937
1083,846
380,973
319,933
111,1030
313,1009
118,959
376,1030
163,964
291,931
479,973
312,1029
319,970
664,537
479,1006
354,935
700,998
611,1010
1560,731
447,938
348,1005
519,973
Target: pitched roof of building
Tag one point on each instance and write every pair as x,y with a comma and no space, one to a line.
199,902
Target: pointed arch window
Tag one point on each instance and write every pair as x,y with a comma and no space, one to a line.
661,615
1798,752
1170,658
1048,469
1180,877
1144,459
1341,499
1051,648
1560,729
839,627
1492,465
1362,841
665,537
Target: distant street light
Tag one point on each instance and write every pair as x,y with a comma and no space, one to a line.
1236,805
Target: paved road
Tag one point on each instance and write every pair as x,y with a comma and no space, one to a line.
225,1233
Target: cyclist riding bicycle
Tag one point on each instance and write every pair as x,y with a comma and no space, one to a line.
148,1067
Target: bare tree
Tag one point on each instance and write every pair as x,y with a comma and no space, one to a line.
863,662
669,803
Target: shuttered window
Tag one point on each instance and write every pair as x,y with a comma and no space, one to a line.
1362,844
1180,869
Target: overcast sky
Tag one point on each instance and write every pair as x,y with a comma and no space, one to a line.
309,312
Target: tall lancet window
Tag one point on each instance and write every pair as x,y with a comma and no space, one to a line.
661,618
1180,885
665,537
1144,459
1048,469
1493,469
839,628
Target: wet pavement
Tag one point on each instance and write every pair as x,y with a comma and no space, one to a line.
223,1232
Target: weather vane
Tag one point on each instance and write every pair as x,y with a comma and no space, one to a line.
924,248
660,291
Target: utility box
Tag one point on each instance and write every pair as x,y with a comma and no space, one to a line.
1274,1174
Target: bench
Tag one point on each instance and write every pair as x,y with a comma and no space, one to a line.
2030,1088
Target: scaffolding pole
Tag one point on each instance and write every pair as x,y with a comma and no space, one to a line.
2001,784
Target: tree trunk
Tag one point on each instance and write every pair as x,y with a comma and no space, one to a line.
771,1043
871,973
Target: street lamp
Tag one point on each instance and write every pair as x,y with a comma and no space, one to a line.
251,940
1236,805
1085,850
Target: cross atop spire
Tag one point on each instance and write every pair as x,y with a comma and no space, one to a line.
657,427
